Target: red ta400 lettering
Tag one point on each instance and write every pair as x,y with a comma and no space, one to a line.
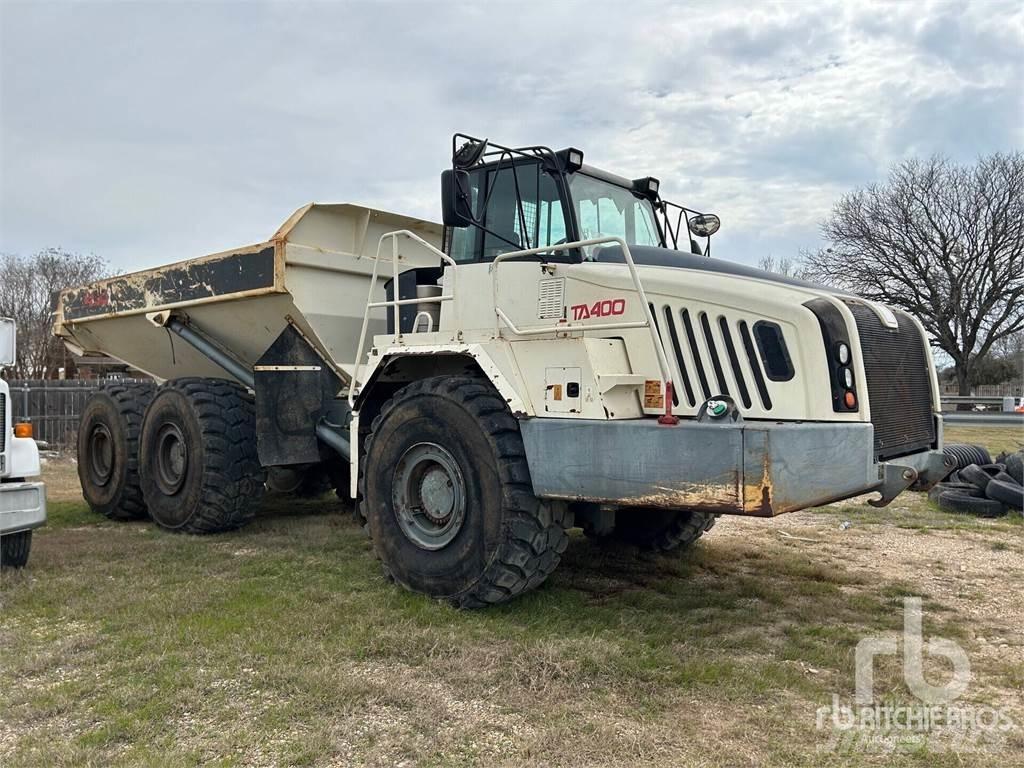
605,308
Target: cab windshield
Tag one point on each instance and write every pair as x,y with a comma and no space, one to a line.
604,209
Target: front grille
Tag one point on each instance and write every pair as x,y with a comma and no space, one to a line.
899,383
3,422
710,355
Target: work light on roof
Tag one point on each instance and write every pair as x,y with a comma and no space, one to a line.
647,186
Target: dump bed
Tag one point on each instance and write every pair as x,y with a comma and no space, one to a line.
314,274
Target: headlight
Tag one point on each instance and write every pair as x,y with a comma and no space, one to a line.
842,353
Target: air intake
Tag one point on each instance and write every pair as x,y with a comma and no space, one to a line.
711,355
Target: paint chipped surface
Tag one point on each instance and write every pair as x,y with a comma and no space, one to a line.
201,279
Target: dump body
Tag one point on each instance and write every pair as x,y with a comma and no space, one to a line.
313,274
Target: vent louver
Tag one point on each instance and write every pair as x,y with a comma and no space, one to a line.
711,355
551,299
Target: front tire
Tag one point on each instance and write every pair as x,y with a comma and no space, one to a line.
447,496
14,549
200,472
108,449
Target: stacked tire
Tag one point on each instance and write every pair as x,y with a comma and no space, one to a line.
989,489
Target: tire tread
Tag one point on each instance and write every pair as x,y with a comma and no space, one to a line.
130,399
15,549
232,478
535,533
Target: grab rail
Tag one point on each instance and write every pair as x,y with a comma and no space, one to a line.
396,303
648,322
500,316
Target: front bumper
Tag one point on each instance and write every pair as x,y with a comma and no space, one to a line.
22,506
740,468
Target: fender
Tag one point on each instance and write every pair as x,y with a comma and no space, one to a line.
429,360
486,358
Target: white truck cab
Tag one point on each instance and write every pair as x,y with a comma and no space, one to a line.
22,502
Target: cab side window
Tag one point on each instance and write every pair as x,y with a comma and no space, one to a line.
463,239
539,220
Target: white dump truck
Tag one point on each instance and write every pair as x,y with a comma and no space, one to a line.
561,352
22,501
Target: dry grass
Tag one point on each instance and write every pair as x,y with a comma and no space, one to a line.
282,645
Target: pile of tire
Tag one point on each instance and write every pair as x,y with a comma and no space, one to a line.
980,486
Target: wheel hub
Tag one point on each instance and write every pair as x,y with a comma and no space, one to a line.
171,458
101,454
429,496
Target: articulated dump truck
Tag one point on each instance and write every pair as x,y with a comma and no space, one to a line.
562,351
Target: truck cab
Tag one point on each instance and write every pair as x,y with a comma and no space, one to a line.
597,305
22,500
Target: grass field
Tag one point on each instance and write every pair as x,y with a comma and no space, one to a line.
283,645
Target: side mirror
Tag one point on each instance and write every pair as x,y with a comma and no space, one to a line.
704,224
456,199
8,342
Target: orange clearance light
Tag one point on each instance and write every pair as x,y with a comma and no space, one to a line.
850,399
23,430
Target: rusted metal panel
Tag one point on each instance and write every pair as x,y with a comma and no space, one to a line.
636,463
752,468
241,272
792,466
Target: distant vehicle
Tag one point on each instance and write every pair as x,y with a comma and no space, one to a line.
22,503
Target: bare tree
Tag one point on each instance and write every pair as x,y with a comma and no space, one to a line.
28,289
782,265
942,241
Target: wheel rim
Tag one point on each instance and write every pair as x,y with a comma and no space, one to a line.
171,458
429,496
101,454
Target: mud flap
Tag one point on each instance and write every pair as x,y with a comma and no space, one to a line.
294,387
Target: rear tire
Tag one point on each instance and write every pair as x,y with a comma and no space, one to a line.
447,496
660,530
14,549
200,471
108,449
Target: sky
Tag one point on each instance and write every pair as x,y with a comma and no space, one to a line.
150,132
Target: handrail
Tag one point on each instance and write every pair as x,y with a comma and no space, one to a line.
394,303
659,347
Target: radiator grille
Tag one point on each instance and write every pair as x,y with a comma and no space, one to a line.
899,384
710,355
3,422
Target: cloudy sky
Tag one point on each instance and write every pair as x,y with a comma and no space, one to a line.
151,132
